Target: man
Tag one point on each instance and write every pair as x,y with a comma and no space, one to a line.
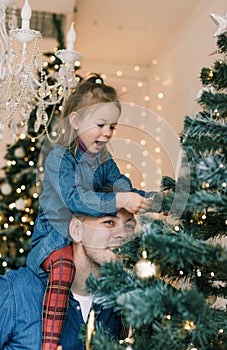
21,291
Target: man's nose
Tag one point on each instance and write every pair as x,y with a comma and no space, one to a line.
120,233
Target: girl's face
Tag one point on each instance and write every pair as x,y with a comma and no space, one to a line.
96,128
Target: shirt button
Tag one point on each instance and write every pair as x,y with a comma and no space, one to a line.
78,307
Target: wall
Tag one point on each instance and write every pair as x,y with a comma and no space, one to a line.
177,70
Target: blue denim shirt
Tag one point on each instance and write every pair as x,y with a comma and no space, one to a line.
69,187
21,295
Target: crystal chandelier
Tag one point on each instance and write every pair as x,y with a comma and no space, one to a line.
24,84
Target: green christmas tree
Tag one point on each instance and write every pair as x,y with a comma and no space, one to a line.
170,285
19,191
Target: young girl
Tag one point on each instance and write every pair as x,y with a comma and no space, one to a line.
74,171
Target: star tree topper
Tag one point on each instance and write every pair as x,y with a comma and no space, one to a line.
222,23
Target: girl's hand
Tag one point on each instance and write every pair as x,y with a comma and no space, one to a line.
59,347
133,202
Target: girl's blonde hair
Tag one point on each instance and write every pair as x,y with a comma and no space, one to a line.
89,92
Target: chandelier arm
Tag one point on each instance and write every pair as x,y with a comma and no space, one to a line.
47,102
4,44
51,103
46,125
38,83
3,29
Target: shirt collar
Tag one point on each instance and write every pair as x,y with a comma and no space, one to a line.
97,159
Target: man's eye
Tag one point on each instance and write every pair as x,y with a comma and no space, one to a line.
113,127
100,125
109,222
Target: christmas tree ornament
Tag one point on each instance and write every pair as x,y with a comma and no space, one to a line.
145,268
128,340
222,23
6,189
191,347
90,329
19,152
20,204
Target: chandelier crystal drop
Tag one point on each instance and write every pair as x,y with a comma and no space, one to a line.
24,84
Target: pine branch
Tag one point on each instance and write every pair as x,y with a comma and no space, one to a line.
123,282
204,134
222,43
159,301
212,102
216,77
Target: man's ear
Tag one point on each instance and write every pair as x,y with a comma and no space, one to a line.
75,227
73,118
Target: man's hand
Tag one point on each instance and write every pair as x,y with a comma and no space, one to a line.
133,202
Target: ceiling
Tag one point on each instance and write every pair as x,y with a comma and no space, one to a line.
128,31
54,6
121,31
